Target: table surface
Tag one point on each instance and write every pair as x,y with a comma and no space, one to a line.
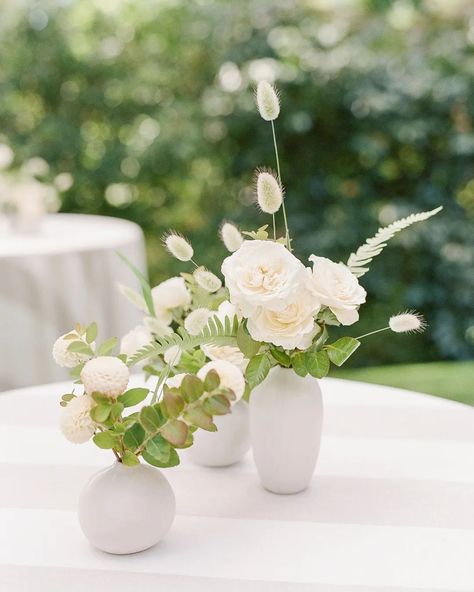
391,506
61,233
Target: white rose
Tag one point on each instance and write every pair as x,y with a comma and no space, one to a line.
337,288
230,353
171,294
75,421
262,273
135,340
292,327
231,376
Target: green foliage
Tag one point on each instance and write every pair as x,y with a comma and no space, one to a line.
133,396
371,129
317,363
257,370
341,350
248,346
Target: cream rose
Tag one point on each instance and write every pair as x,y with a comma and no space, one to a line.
134,340
335,287
292,327
171,294
262,274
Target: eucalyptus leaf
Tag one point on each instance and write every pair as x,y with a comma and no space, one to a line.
173,460
159,448
133,396
79,347
191,388
212,381
173,402
175,431
134,436
200,418
216,405
105,440
129,459
91,332
152,418
100,413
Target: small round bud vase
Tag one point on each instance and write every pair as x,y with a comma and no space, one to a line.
126,509
228,445
286,416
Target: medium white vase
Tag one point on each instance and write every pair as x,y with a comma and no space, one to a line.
228,445
286,416
126,509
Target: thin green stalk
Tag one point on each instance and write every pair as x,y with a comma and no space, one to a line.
274,228
372,332
287,233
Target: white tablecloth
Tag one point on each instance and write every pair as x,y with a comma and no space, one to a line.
391,507
65,274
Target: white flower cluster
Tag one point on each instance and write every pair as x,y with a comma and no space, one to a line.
280,297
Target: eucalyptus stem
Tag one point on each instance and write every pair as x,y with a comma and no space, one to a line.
373,332
287,233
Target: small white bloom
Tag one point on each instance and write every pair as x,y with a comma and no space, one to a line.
196,320
157,326
135,340
6,156
262,273
106,375
292,327
175,381
172,355
267,101
337,288
207,280
231,237
75,421
65,358
269,193
407,322
231,376
171,294
179,247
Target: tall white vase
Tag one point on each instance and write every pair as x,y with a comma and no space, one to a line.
286,416
126,509
228,445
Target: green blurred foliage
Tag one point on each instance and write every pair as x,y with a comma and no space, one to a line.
150,106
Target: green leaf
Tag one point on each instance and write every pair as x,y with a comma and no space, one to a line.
99,398
189,439
217,405
146,289
100,413
105,439
257,369
134,436
317,363
75,372
116,410
68,397
173,402
175,431
298,362
342,349
327,316
212,381
200,418
129,459
91,332
152,418
79,347
192,362
159,448
191,388
172,461
133,396
281,357
320,340
107,346
245,343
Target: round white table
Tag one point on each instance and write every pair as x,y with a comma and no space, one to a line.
391,507
66,273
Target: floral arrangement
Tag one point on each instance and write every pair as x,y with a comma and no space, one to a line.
209,341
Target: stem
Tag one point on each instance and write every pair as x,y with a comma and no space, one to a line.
194,263
372,332
287,233
274,228
116,455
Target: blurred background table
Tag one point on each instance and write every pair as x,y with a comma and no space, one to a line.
390,507
66,273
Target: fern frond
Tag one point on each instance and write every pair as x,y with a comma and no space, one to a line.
358,261
216,332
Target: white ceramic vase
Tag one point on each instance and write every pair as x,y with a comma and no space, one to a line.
226,446
286,415
126,509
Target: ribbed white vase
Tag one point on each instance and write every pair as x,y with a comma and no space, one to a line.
286,416
126,509
228,445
